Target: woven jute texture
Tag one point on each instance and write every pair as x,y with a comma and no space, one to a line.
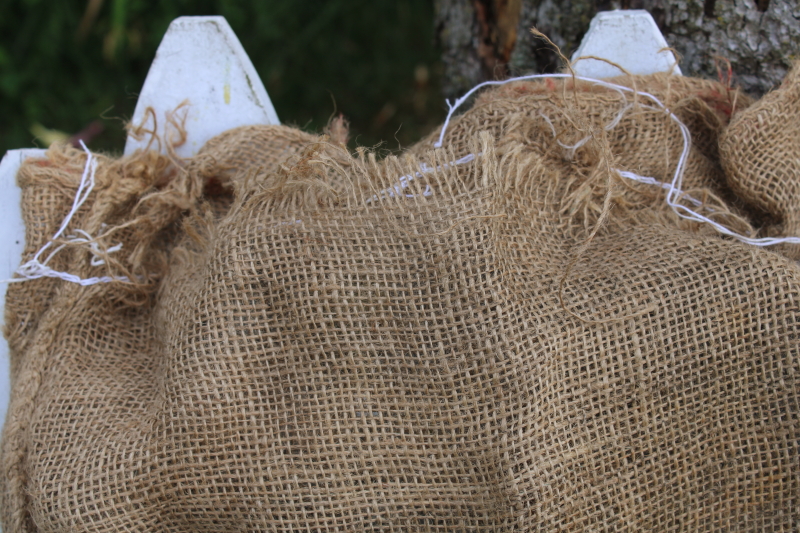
519,340
760,153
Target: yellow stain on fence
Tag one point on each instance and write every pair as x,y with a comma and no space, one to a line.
226,93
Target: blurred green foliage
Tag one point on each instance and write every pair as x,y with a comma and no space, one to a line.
67,63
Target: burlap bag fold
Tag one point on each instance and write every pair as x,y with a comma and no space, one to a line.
760,155
422,343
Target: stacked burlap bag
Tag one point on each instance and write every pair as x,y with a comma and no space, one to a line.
760,153
500,335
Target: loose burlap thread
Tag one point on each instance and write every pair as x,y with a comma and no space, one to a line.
315,343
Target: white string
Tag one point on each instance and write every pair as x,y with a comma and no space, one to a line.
674,192
406,180
35,268
653,181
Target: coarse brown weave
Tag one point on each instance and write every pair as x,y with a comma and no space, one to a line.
319,342
644,140
761,155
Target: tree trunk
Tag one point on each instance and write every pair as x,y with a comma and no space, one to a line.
490,39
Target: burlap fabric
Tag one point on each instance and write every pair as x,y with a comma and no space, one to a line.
644,140
760,154
320,342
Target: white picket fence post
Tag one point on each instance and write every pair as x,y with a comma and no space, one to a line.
201,62
629,38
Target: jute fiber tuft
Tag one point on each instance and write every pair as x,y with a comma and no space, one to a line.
500,335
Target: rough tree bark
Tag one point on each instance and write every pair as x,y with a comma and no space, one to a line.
490,39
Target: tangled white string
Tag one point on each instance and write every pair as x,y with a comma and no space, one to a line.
675,194
36,268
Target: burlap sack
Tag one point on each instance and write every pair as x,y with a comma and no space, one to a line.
359,345
641,139
760,155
